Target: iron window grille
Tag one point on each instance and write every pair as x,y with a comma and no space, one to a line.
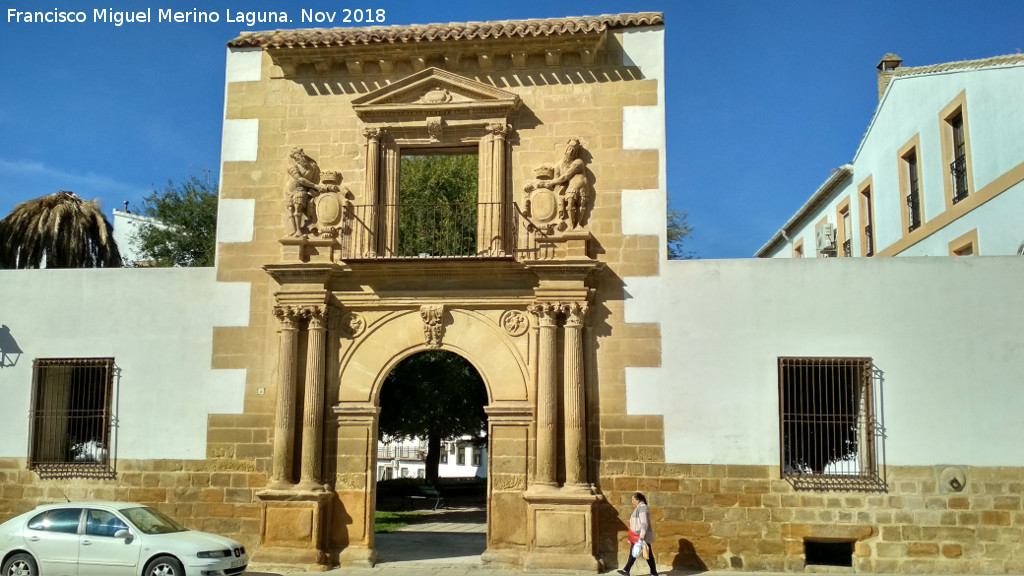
958,171
914,197
72,418
847,248
830,430
869,241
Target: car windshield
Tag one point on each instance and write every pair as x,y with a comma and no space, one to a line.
151,521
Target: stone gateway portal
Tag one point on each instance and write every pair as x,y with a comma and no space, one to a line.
540,105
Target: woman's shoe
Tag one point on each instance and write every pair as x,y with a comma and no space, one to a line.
623,572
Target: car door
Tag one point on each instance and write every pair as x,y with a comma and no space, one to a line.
100,552
52,537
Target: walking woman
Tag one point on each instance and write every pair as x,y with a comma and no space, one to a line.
640,529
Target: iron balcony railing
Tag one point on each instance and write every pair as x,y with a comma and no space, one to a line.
913,211
958,171
453,230
847,249
869,241
401,452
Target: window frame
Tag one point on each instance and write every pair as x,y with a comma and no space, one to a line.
960,244
48,420
868,234
814,402
844,220
909,158
951,138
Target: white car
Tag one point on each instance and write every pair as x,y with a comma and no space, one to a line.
112,539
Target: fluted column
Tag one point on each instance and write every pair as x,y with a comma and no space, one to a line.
313,407
547,394
388,224
491,217
367,240
575,396
284,418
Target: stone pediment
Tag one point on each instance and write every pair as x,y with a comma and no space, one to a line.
436,92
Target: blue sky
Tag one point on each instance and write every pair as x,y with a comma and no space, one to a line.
764,99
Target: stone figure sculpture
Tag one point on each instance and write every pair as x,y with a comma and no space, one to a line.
303,185
567,180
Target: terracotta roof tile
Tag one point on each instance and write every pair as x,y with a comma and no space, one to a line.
961,65
329,37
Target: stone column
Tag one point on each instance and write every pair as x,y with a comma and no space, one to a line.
575,396
313,407
547,394
365,242
284,421
387,224
491,218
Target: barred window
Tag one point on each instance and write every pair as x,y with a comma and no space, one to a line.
830,434
71,417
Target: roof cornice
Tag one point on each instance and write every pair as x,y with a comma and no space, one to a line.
822,193
417,33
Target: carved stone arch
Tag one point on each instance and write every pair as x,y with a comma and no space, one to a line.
437,110
399,335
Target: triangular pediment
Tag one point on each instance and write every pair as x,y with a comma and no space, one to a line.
436,92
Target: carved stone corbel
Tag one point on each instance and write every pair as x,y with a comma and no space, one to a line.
433,324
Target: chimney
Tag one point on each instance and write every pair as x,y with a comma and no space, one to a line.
886,70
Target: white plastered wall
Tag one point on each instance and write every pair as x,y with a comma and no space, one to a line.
157,324
911,106
952,358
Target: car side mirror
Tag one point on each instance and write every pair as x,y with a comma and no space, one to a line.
124,535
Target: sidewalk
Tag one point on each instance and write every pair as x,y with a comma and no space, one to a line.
450,542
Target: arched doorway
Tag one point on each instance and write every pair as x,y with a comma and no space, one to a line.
498,356
431,462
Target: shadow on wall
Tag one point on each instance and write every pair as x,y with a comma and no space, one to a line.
10,352
687,558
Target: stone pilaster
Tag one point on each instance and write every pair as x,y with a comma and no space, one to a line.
574,400
284,420
313,406
367,243
547,393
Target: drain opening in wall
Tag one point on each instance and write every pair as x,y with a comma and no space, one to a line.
832,553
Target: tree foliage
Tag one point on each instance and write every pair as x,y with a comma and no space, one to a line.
677,234
185,231
58,231
435,394
438,196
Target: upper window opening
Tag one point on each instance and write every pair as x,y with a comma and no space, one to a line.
438,205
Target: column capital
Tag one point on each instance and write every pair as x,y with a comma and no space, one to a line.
575,313
318,316
546,312
499,129
288,316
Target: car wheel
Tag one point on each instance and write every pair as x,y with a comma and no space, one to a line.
20,565
163,566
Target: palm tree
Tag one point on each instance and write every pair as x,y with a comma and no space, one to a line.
57,231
